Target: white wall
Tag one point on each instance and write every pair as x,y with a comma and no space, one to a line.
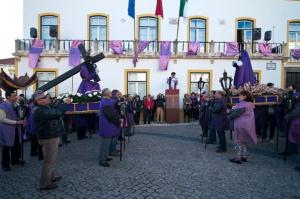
112,72
268,13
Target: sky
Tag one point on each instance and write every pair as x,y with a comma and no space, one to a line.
11,26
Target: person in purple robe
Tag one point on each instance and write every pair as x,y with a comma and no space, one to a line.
243,72
293,119
10,132
219,120
87,83
244,126
110,123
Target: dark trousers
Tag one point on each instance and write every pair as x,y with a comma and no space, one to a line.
11,154
222,139
212,137
36,148
187,115
81,132
137,116
271,121
195,112
147,116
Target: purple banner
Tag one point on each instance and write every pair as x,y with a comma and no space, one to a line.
142,46
265,49
193,48
116,46
232,49
295,53
165,53
35,51
74,55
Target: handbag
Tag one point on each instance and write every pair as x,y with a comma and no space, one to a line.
236,113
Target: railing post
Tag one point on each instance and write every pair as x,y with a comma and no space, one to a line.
57,45
285,50
211,47
96,45
17,44
175,43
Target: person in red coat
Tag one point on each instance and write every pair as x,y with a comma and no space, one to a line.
148,108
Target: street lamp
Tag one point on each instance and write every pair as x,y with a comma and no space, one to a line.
226,82
201,84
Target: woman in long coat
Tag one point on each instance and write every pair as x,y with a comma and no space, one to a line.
244,127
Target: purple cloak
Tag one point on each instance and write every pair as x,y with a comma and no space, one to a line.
294,131
244,126
87,84
244,73
7,131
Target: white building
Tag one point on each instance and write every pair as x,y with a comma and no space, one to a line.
214,22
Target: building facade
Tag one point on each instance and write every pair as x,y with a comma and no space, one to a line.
213,23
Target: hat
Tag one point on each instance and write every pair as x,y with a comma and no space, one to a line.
38,95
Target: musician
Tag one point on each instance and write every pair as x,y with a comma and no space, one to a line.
10,132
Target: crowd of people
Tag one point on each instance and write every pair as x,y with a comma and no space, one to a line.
43,120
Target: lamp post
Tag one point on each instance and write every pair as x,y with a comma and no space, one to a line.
201,84
226,82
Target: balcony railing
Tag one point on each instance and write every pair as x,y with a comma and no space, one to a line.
210,49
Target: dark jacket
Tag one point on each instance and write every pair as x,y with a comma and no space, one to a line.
219,120
204,115
137,105
48,121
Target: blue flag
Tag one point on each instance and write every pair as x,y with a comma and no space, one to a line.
131,8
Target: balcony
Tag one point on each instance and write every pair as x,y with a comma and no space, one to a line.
210,50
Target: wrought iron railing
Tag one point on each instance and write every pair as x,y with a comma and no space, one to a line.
211,48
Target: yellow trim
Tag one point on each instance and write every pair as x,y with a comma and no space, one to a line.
137,32
287,30
243,18
55,70
101,15
199,71
206,28
48,14
259,75
147,71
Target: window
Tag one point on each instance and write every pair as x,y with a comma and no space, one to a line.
44,76
98,30
148,30
247,26
46,21
198,31
194,77
257,74
137,82
294,35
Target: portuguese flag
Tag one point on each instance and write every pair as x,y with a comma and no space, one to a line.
183,8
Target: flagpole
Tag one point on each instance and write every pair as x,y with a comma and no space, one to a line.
176,41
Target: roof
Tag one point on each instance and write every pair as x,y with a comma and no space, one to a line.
7,61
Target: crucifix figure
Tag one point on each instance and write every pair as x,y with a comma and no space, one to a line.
89,63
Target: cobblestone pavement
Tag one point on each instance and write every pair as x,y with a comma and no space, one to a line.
159,162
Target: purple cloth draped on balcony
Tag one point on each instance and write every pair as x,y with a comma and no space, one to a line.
244,74
193,48
295,53
265,49
232,49
142,46
116,46
87,84
35,51
165,53
74,56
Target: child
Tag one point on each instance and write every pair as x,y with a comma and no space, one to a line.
219,120
244,126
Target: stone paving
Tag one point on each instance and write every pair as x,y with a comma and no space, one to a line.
161,161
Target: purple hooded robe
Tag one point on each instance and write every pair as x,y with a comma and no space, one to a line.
87,84
244,74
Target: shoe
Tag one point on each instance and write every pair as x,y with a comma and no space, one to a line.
6,168
234,160
56,179
104,164
50,187
18,162
297,168
109,159
244,159
220,150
